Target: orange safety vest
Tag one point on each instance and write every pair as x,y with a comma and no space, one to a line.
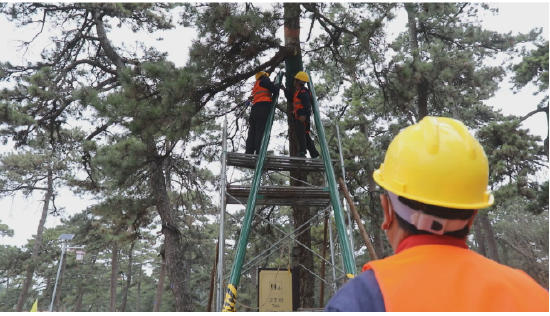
297,103
260,94
442,278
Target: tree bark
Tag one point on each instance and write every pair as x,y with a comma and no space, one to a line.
480,239
60,285
138,297
128,279
37,246
82,291
138,294
212,278
7,290
114,274
423,85
175,250
490,235
160,286
300,214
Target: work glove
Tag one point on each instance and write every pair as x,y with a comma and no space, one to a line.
302,119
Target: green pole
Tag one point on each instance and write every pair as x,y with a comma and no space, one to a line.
349,264
231,291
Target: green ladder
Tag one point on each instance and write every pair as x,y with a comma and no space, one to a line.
253,196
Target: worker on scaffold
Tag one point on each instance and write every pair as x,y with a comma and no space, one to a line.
261,99
302,112
435,175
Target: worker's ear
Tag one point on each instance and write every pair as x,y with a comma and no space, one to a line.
471,221
388,211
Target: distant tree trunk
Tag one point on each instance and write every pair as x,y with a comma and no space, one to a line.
423,85
175,250
60,285
480,239
160,287
114,275
547,132
490,235
300,214
128,279
37,245
78,306
138,297
212,277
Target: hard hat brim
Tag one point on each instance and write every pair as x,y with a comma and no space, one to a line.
399,190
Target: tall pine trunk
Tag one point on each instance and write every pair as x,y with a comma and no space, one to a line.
175,250
301,214
128,279
422,85
37,245
114,274
492,248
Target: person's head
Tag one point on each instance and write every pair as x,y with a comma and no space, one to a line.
300,79
261,74
435,175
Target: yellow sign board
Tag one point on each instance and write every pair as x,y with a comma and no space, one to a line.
275,290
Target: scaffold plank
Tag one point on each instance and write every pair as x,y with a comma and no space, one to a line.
277,163
277,195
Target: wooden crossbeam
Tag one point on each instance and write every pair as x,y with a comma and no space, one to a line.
277,163
280,195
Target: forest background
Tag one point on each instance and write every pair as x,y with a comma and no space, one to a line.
114,135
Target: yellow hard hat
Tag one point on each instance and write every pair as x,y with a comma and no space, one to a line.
437,162
302,76
260,74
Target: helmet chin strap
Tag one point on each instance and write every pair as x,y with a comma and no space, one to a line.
426,222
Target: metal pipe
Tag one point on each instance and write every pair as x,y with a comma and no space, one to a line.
346,206
58,271
332,253
349,264
221,248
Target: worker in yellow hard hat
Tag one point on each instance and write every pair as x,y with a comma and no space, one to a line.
261,99
435,177
302,113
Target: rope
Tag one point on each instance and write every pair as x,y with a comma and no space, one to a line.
318,277
288,176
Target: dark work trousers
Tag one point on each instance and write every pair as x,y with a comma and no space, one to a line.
257,122
304,140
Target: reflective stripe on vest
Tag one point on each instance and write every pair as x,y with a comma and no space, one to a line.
297,103
441,278
260,94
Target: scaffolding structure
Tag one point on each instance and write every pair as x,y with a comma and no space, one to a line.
326,197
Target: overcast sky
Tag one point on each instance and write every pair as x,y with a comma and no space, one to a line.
23,215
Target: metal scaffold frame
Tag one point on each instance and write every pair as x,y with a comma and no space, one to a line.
226,300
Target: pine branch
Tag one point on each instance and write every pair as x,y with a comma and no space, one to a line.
544,109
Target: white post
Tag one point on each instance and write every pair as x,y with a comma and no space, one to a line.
58,271
221,245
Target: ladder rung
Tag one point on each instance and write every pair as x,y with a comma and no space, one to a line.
281,195
277,163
